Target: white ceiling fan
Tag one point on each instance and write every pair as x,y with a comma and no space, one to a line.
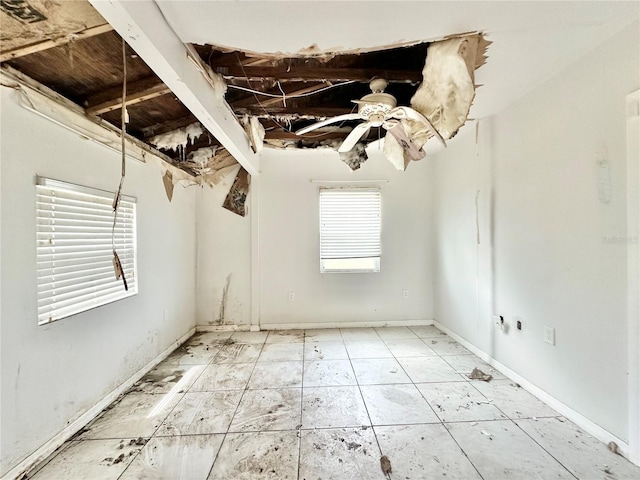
376,109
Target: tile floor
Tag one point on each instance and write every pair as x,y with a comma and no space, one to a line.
326,404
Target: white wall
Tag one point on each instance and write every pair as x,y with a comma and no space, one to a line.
52,374
224,252
543,254
289,244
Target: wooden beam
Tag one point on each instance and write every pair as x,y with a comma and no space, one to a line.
137,92
317,136
304,112
318,74
46,44
267,101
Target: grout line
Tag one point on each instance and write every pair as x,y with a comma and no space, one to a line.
299,428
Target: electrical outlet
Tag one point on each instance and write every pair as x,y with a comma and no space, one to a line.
405,293
518,322
292,296
549,335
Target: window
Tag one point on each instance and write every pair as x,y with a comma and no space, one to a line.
350,229
74,248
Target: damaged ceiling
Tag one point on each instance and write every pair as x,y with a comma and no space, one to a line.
70,48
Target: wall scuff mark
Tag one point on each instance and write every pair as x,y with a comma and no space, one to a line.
237,196
225,297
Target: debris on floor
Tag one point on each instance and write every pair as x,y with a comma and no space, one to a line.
385,465
613,446
477,374
486,434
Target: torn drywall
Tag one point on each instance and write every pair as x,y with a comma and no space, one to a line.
167,180
255,132
210,164
448,87
237,196
355,157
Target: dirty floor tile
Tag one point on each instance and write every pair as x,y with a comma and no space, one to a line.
323,335
95,459
135,415
325,373
367,349
286,336
514,401
377,371
223,377
270,409
500,450
446,346
238,353
464,365
395,333
409,347
264,455
166,378
281,352
325,351
359,334
201,412
582,454
429,369
180,457
424,452
340,454
458,402
192,355
248,337
396,405
333,407
276,375
427,331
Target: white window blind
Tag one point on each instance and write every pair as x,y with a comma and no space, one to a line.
74,248
350,229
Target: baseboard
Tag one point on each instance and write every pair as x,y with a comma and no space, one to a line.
79,423
316,325
222,328
583,422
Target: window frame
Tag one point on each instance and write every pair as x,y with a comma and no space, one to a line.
374,265
85,248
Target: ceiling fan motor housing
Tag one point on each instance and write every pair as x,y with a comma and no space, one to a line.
376,106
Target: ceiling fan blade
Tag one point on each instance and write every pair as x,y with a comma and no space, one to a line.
339,118
409,113
356,134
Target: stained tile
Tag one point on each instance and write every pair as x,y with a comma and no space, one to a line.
217,338
135,415
409,347
165,378
249,337
427,331
500,450
333,407
429,369
325,373
192,355
464,364
238,353
286,336
424,452
202,412
226,376
395,333
340,454
323,335
325,351
269,409
514,401
187,457
396,405
264,455
446,346
95,459
583,455
378,371
458,401
281,352
359,334
276,375
367,349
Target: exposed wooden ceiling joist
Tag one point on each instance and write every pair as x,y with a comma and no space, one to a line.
56,42
318,74
314,136
137,92
307,112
